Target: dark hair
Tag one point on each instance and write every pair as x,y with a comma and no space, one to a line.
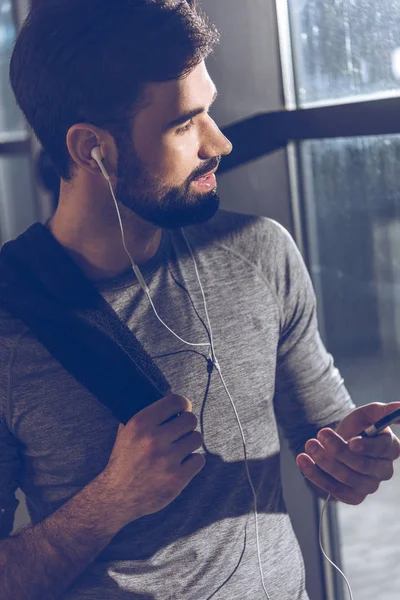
78,61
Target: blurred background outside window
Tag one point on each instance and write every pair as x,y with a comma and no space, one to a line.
18,200
345,51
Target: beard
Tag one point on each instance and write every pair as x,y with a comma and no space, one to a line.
163,206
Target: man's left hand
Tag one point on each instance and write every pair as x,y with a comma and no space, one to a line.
348,467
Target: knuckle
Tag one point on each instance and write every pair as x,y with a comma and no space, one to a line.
187,404
387,445
197,462
171,473
197,438
177,403
184,404
346,477
333,445
339,449
394,447
138,421
136,428
396,451
388,472
329,487
200,461
172,482
377,405
151,446
195,420
190,420
374,487
356,499
351,497
366,465
323,465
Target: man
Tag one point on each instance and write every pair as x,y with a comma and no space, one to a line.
162,507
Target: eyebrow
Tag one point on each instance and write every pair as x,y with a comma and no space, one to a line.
189,115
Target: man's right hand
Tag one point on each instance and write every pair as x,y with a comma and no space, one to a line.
152,460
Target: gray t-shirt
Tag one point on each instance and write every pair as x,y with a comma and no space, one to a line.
55,437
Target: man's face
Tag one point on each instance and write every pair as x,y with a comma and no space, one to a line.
162,168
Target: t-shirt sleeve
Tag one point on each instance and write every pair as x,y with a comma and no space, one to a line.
310,392
9,470
9,450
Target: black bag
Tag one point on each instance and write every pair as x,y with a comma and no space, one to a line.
41,285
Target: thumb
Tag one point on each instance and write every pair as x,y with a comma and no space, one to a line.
364,416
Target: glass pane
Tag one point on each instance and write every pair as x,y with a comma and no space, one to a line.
352,192
345,48
17,201
10,116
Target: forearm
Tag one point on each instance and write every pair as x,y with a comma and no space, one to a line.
44,560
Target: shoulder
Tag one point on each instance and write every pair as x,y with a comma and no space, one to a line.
11,330
265,246
255,238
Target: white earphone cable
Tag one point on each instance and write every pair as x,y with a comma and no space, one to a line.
246,462
214,358
218,368
139,275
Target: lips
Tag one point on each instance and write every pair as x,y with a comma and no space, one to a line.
202,177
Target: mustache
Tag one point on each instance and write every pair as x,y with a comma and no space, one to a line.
206,168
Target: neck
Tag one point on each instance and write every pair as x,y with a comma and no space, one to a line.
87,226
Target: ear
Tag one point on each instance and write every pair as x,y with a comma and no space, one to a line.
82,138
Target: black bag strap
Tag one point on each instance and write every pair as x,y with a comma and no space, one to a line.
41,285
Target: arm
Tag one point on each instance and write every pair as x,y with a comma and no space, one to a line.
44,560
311,394
309,391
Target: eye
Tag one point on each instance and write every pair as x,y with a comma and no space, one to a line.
185,127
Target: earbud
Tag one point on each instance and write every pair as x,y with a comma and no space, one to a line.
96,155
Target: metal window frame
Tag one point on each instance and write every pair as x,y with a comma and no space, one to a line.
270,132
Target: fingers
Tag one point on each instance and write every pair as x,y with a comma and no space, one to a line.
163,409
178,427
192,466
372,463
332,464
386,445
187,445
349,471
327,483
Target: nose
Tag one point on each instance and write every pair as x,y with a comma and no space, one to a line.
215,143
228,147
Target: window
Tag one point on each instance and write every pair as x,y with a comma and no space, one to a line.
345,48
352,197
10,117
347,51
340,64
18,208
